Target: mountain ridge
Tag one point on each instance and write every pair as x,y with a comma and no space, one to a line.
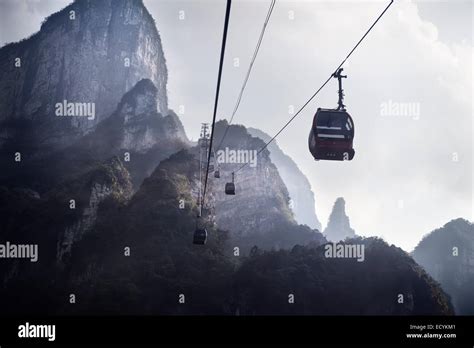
107,36
302,197
112,204
447,254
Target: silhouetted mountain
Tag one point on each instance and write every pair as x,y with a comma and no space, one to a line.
55,222
302,198
339,227
90,260
111,202
337,286
163,262
447,254
162,266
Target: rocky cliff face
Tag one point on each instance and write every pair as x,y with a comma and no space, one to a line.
141,127
447,254
109,181
135,132
302,198
339,227
90,52
259,214
58,219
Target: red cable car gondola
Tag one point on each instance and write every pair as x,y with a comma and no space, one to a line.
332,132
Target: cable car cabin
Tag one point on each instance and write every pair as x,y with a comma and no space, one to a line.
332,135
200,236
230,188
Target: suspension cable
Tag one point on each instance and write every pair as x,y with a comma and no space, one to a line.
239,98
221,63
320,88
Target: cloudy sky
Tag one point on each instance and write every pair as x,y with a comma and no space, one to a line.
411,173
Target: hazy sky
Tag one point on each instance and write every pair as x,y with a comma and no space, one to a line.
411,174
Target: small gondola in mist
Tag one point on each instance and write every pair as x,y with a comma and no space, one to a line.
230,187
200,233
200,236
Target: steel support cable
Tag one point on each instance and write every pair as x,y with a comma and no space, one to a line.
252,61
322,86
216,101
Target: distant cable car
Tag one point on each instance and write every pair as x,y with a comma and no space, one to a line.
230,187
332,132
200,236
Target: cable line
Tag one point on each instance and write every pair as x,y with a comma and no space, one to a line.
320,88
221,63
239,98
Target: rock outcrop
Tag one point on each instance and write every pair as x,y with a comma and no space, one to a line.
259,213
90,52
135,132
58,219
339,227
302,197
110,180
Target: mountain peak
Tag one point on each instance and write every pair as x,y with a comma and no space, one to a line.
447,254
339,227
140,100
91,52
302,197
80,6
261,212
